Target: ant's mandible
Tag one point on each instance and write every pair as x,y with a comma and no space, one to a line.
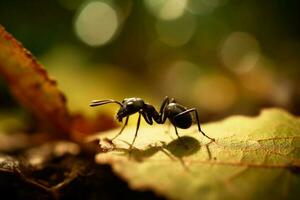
178,115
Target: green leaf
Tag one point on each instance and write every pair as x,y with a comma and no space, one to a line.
252,158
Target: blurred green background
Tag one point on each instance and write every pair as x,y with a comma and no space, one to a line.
223,57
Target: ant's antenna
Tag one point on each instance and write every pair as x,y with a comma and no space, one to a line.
102,102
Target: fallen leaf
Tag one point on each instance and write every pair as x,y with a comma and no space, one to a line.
252,158
30,83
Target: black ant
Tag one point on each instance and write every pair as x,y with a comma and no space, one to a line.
178,115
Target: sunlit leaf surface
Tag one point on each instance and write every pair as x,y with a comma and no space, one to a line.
252,158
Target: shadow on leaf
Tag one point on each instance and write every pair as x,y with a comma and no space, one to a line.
190,146
174,150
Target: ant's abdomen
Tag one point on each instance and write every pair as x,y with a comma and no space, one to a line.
182,121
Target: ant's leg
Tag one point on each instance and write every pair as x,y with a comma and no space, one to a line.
150,113
147,118
164,103
162,115
136,132
198,122
126,122
179,138
199,128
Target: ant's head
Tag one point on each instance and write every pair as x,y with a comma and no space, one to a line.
129,107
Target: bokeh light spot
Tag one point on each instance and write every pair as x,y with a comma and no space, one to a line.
96,23
179,77
166,9
240,52
176,32
215,93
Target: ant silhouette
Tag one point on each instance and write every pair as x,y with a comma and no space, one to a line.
178,115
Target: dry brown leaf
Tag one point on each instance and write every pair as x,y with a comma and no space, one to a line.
30,83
